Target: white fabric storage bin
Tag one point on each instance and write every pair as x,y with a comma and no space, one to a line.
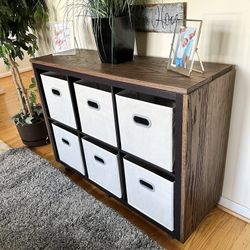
58,99
150,193
102,167
68,148
96,113
146,129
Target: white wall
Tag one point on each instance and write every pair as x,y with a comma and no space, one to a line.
225,38
23,66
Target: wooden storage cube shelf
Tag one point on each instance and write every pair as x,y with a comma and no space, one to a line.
102,167
56,90
96,111
146,127
201,117
68,148
145,192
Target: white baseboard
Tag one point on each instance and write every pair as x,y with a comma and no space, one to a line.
235,207
2,75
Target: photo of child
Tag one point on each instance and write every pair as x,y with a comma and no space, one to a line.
184,46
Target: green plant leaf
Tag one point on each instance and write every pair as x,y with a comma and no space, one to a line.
32,98
32,85
33,80
19,26
28,120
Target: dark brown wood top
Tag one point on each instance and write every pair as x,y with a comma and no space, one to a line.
143,71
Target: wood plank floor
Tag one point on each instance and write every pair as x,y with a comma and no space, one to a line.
219,230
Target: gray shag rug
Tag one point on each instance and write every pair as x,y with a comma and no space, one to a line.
41,208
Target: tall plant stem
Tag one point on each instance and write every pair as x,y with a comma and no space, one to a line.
18,89
22,93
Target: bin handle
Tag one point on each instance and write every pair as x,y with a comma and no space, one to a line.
93,104
65,141
142,121
147,185
99,159
56,92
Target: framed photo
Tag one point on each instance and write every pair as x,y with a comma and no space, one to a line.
63,38
184,46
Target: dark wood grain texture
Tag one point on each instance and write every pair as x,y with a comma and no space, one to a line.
206,119
143,71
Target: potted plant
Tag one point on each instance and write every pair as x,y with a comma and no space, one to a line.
19,22
112,27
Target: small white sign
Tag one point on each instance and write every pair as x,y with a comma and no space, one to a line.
63,38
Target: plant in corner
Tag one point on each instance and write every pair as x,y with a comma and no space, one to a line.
19,23
112,27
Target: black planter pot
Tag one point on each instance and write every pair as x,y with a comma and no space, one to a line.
34,135
114,39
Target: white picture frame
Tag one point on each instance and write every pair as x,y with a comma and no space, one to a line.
62,38
184,47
